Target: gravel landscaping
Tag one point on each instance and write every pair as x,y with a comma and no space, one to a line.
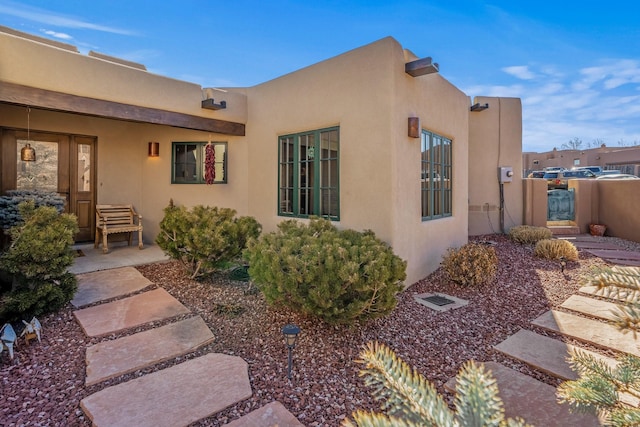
44,383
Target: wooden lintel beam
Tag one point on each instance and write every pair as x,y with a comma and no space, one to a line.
58,101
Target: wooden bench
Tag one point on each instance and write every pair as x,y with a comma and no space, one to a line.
117,219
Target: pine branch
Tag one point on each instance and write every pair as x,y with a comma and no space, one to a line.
409,395
477,402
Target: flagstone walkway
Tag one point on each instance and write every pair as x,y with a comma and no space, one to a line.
120,299
590,324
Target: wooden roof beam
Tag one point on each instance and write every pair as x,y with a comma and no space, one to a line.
57,101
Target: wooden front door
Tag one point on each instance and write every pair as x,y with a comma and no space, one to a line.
64,164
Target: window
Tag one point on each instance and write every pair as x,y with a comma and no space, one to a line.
436,176
308,174
188,164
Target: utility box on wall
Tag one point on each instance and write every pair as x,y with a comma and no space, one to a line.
505,174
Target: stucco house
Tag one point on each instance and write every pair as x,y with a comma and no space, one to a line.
375,138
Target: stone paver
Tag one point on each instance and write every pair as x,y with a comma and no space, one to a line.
173,397
270,415
543,353
533,400
617,254
128,312
592,290
117,357
107,284
592,307
627,262
588,244
592,331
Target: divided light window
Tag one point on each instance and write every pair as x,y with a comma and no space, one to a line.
188,162
308,175
436,176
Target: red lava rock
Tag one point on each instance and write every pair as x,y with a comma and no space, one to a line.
326,386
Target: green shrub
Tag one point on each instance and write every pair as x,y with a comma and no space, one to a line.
318,270
472,264
528,234
556,249
204,239
10,212
37,261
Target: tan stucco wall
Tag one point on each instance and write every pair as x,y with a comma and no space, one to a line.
127,175
47,67
619,208
495,140
535,202
367,93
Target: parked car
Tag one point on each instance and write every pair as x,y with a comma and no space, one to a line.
536,174
618,176
558,180
595,169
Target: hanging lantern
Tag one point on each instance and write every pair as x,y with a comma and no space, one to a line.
28,154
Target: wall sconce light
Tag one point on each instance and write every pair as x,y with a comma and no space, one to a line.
290,333
154,149
478,107
414,127
420,67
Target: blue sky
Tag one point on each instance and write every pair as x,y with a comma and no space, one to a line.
575,65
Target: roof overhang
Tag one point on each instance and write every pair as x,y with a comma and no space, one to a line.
57,101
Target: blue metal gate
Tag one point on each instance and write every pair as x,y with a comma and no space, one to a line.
560,205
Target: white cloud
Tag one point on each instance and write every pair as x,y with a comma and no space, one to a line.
55,19
58,35
520,71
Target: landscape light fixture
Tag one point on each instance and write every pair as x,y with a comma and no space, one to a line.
290,333
479,107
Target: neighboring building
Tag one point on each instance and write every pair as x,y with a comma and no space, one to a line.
356,138
624,159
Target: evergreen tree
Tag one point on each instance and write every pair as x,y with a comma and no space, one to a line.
37,260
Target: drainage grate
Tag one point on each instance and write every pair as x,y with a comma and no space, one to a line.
438,300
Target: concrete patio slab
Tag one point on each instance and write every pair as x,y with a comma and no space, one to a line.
546,354
592,331
128,312
591,306
117,357
273,414
173,397
532,400
120,255
106,284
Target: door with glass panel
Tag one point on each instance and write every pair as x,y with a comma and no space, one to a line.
63,164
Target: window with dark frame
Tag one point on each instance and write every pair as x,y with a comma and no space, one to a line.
188,162
308,179
436,176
